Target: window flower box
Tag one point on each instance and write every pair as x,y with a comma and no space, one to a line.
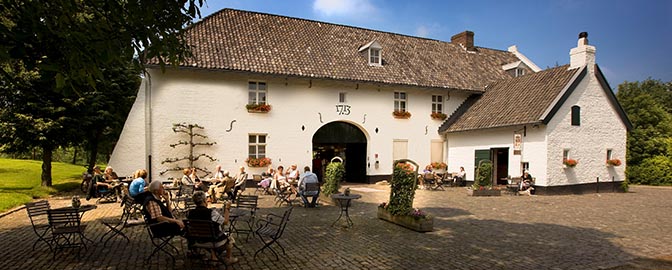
258,108
401,114
569,163
439,167
614,162
439,116
258,162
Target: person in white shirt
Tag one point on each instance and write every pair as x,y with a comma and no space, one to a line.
241,179
293,174
308,177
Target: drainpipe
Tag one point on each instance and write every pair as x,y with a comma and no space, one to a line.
148,124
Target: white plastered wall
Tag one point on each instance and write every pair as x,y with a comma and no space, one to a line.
462,147
601,129
129,152
215,99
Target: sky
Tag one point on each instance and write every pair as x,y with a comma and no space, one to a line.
633,38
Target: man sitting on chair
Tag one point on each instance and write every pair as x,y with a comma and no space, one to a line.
239,184
157,209
202,212
308,177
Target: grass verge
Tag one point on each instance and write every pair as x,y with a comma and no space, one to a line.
20,181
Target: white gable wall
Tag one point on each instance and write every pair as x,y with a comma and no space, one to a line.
600,129
129,152
215,99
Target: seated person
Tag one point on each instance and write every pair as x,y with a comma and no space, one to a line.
427,174
459,178
526,183
138,188
293,174
186,180
202,212
156,209
97,184
198,184
110,175
239,184
215,191
267,178
308,177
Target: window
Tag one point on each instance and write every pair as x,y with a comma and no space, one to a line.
609,154
400,101
576,115
525,166
257,92
519,72
436,151
437,104
374,56
257,145
399,149
341,97
565,154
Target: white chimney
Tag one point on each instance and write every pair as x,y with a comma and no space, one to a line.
583,54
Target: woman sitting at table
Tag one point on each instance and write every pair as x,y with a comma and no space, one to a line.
139,187
281,183
526,184
215,191
110,175
202,212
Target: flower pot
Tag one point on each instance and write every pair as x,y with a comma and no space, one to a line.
418,225
484,192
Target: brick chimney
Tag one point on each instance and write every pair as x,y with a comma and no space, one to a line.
583,54
466,39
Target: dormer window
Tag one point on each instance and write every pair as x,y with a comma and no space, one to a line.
515,69
374,53
374,56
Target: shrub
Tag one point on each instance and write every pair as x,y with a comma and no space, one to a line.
483,174
570,162
655,171
402,187
332,178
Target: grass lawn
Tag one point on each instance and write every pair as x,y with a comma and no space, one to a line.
20,181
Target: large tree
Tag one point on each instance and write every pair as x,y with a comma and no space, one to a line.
649,141
58,56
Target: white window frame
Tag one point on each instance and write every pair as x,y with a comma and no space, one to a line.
256,91
256,145
375,56
610,154
565,154
437,103
400,104
519,72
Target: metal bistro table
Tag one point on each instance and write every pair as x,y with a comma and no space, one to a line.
234,213
344,201
66,221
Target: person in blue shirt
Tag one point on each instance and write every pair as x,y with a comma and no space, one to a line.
308,177
138,186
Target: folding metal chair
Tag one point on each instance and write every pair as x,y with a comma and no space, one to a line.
206,235
270,230
66,229
117,226
161,234
37,212
248,203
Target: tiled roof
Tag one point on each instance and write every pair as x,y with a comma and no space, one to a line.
263,43
516,101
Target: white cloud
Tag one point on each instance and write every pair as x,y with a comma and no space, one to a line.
422,31
343,8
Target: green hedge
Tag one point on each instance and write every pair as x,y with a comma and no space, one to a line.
332,178
402,187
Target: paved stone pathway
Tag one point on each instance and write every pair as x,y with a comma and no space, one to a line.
593,231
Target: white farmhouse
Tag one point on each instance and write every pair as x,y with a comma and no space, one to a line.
372,97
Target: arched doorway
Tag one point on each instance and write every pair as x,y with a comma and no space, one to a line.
344,140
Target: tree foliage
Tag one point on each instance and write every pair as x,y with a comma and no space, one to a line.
333,177
69,68
648,105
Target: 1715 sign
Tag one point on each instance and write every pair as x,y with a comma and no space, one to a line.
342,109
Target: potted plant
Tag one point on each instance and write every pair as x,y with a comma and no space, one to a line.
400,209
439,116
332,178
570,163
401,114
614,162
258,162
482,182
258,108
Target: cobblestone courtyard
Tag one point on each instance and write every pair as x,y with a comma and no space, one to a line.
592,231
